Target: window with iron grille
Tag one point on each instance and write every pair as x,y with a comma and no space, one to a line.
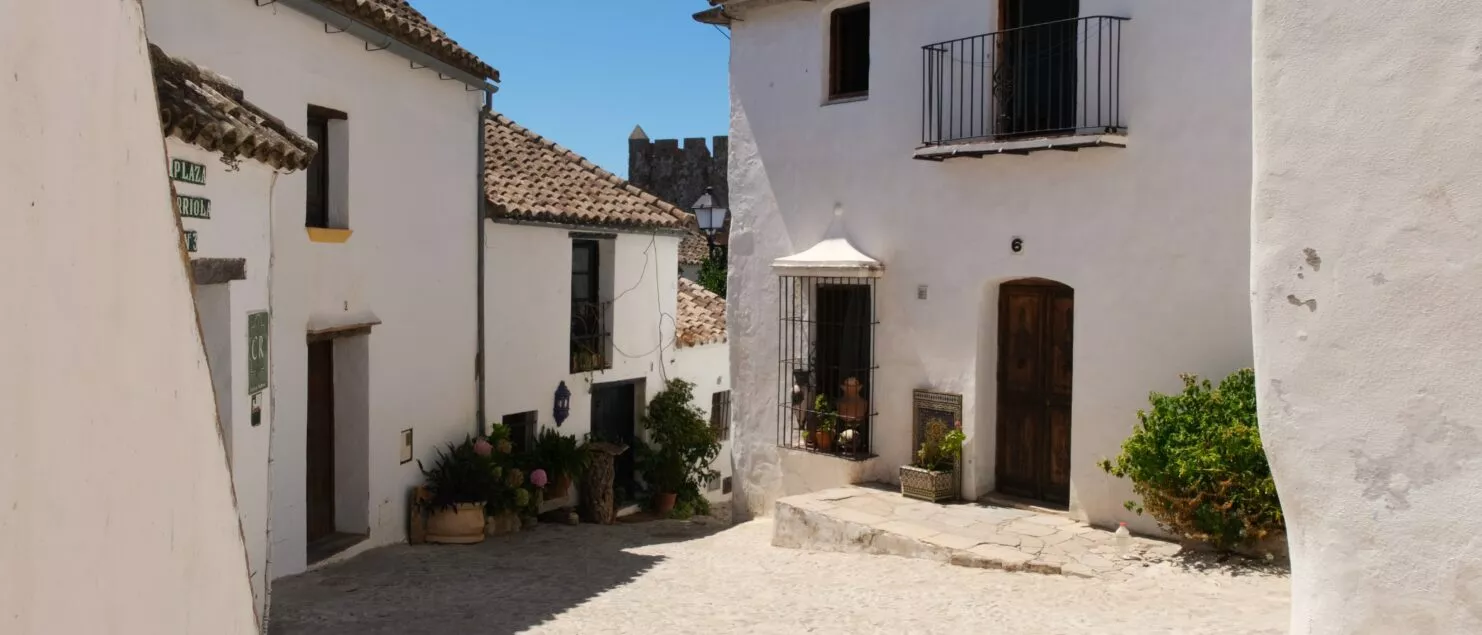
720,415
826,348
590,337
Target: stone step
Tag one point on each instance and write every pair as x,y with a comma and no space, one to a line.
801,524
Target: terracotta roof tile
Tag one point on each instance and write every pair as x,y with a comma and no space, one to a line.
398,19
702,316
204,109
528,177
693,249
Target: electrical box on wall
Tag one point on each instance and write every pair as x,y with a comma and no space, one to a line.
921,292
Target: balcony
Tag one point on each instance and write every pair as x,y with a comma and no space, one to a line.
1050,86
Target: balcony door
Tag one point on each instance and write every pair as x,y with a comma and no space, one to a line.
1036,74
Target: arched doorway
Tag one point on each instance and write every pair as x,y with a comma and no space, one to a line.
1035,327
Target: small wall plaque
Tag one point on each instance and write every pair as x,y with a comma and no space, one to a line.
192,206
187,172
406,446
190,240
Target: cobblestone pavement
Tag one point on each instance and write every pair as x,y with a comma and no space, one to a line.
671,577
872,520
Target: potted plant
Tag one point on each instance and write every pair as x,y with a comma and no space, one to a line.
933,475
676,462
458,488
562,458
828,421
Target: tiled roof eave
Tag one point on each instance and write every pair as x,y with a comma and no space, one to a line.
406,25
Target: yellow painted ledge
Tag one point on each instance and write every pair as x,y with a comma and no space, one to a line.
327,235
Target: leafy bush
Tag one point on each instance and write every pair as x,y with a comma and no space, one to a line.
559,454
1197,462
713,274
464,473
683,446
941,447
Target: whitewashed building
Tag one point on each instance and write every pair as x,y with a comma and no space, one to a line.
1036,212
118,513
584,297
367,254
1366,271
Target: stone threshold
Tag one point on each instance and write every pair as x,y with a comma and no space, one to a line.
874,521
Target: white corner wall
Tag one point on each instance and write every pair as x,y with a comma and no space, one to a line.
413,190
117,501
1366,274
1153,238
241,201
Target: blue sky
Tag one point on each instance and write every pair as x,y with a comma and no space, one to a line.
584,72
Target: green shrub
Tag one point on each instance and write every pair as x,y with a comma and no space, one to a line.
683,446
1197,462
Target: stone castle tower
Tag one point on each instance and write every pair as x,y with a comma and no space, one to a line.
678,174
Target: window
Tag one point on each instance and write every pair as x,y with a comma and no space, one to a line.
590,337
521,430
827,331
720,415
849,52
323,200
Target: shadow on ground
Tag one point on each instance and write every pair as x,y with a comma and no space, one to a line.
505,585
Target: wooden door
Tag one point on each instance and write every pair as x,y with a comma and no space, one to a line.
319,470
614,418
1035,326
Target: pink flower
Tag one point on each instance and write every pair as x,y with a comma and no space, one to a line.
538,478
482,447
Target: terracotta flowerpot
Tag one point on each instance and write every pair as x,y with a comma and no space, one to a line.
825,440
664,503
558,488
460,525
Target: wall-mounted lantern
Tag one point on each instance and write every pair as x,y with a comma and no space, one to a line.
563,404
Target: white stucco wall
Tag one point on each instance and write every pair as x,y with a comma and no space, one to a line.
412,207
116,507
529,328
1366,272
708,367
1153,238
528,290
241,199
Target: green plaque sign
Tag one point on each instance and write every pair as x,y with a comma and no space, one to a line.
187,172
190,240
257,352
192,206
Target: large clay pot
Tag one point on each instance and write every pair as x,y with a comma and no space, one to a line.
664,503
459,525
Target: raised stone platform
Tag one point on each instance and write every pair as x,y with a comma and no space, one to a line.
877,521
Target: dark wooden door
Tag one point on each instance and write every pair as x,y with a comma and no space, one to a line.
614,418
1038,55
319,470
1035,325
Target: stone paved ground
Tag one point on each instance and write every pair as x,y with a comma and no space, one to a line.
873,520
671,577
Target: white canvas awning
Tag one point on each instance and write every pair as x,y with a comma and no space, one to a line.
834,256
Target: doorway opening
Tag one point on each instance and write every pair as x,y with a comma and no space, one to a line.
1036,79
337,452
1036,320
615,418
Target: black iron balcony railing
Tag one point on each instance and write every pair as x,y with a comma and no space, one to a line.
1056,78
591,338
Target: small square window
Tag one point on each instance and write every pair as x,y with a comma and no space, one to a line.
849,52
